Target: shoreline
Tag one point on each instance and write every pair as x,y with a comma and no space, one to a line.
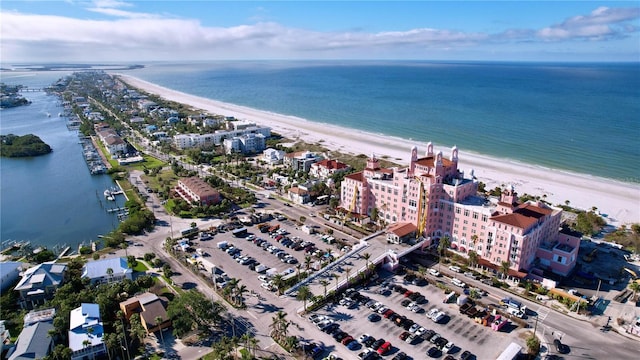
619,200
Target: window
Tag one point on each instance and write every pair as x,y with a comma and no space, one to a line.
484,218
457,210
475,215
466,212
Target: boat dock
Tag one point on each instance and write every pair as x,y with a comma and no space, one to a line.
92,157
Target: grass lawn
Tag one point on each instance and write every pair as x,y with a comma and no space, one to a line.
149,163
140,267
164,177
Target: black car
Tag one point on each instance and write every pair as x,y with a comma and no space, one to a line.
428,334
400,356
434,352
374,317
338,336
414,296
466,355
560,347
378,343
405,302
393,317
407,324
441,342
369,341
331,328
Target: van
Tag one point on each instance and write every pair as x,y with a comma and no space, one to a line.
223,245
261,268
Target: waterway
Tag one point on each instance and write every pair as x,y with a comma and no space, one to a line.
52,199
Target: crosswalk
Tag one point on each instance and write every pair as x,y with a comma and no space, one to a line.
542,313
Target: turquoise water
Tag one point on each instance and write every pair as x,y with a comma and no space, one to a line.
577,117
52,199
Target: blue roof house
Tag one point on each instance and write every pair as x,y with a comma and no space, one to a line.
86,334
98,271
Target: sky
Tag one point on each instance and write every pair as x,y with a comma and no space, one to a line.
161,30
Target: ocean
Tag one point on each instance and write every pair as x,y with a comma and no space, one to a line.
582,118
50,200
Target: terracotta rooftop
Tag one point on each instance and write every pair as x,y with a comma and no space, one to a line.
355,176
533,211
199,187
331,164
430,160
402,229
516,219
297,190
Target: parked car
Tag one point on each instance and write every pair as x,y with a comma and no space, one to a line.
466,355
400,356
384,348
374,317
376,345
455,268
560,347
434,272
434,352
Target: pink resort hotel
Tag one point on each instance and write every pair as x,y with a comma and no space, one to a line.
433,199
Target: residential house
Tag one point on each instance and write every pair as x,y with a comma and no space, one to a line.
197,191
325,168
39,283
301,160
107,270
9,273
272,156
299,195
86,333
153,315
34,342
136,120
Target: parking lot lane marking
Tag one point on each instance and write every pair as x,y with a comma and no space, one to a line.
252,315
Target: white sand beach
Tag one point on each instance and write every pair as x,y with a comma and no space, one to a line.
619,201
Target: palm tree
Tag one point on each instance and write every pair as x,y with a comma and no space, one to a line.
278,282
324,283
240,291
278,322
298,267
347,272
110,273
473,258
253,343
366,257
304,293
159,320
443,245
504,268
307,262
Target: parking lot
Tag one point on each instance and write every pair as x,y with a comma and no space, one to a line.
466,335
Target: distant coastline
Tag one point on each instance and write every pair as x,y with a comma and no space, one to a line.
619,200
69,67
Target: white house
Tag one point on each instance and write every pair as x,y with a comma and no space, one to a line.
98,271
86,334
272,156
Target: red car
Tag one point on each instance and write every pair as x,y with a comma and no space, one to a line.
388,313
347,340
384,348
408,293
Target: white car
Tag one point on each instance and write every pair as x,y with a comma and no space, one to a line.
363,337
432,313
455,268
434,272
439,316
458,282
410,305
448,347
267,286
263,278
414,328
420,331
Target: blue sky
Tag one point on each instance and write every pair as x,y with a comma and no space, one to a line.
136,31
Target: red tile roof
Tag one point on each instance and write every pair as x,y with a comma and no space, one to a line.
355,176
430,161
515,219
402,229
331,164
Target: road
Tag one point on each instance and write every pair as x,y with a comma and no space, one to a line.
584,337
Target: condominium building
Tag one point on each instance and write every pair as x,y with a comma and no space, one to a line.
435,196
187,141
197,191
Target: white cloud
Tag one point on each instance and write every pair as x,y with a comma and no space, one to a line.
600,24
135,35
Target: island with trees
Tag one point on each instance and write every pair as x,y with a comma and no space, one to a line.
22,146
10,96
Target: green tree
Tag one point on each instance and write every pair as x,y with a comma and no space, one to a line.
533,345
324,284
366,256
473,258
304,294
504,269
